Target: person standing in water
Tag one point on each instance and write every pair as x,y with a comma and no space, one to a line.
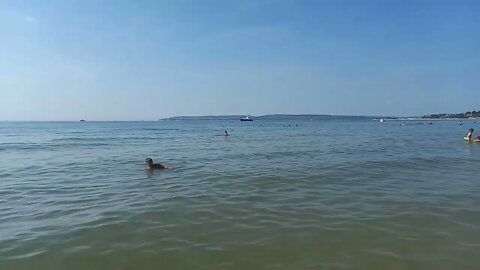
470,134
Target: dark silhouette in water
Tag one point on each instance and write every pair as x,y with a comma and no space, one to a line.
154,166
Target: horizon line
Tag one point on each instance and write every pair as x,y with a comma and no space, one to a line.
219,115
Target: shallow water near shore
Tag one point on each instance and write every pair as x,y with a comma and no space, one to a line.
332,194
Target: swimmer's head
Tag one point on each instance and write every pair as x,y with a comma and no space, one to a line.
471,130
149,161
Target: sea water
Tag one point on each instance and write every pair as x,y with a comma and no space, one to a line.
331,194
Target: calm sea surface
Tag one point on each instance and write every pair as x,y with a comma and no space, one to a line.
332,194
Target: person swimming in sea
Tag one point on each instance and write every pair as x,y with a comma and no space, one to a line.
470,134
226,133
154,166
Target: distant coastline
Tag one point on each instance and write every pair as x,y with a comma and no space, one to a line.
313,117
465,115
284,117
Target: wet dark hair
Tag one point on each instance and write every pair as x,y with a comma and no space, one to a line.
470,129
148,160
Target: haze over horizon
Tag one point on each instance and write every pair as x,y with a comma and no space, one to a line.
145,60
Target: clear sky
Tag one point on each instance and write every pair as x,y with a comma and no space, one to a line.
144,60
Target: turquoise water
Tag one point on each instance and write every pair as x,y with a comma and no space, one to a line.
333,194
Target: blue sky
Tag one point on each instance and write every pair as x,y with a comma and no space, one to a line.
144,60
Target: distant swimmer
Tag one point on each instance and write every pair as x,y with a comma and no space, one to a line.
460,123
154,166
469,134
226,134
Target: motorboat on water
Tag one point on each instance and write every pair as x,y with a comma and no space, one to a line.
246,119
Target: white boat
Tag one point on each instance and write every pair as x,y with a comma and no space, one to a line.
248,119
